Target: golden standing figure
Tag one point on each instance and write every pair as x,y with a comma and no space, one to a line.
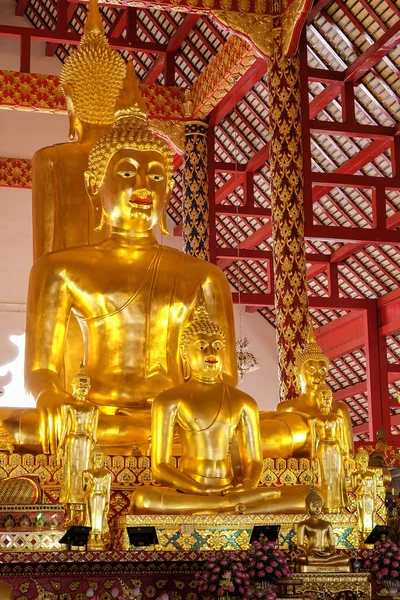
210,418
78,436
97,487
315,541
364,486
329,452
130,295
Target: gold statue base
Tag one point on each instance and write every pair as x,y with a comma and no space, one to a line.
199,533
322,569
321,585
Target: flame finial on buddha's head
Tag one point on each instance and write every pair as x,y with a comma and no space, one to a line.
311,351
93,74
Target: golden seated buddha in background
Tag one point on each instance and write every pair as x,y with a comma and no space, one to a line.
291,432
211,418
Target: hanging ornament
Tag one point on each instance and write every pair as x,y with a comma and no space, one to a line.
247,362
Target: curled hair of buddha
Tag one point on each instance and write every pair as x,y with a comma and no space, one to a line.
311,351
199,324
130,130
313,497
93,73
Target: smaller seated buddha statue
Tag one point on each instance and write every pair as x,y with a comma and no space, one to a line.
315,541
218,428
78,437
312,368
97,487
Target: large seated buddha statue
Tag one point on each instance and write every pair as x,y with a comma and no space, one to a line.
91,79
291,432
211,418
130,295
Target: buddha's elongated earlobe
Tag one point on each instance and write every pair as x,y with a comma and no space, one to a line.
93,193
186,369
163,223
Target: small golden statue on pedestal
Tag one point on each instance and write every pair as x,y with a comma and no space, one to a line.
97,486
78,437
316,542
329,451
5,441
364,486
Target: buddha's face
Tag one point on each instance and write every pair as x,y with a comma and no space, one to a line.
362,461
98,458
134,189
324,401
205,355
312,374
315,508
80,388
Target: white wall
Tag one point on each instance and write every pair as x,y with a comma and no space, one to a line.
22,133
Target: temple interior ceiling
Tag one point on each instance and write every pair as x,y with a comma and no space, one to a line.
341,32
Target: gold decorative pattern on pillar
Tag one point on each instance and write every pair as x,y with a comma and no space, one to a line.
286,165
195,213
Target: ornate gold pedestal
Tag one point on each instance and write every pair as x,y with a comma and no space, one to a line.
222,532
317,586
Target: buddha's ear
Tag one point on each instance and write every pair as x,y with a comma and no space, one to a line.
93,193
75,125
163,220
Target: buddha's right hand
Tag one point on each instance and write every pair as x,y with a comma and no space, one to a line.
49,405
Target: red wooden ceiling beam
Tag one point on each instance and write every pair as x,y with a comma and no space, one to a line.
253,164
21,7
352,129
51,48
389,313
47,35
174,43
238,91
389,40
316,9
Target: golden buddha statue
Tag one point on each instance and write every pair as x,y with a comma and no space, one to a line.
315,541
291,435
91,78
78,436
130,295
97,487
329,452
364,487
210,417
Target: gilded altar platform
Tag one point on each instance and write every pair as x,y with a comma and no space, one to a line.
331,586
27,528
223,532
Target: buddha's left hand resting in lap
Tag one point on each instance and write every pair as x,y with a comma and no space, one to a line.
210,417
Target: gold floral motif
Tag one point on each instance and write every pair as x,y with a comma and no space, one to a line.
257,27
224,70
293,16
173,130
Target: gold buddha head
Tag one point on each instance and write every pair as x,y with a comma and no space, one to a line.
314,503
80,384
91,77
362,459
311,365
202,345
97,457
129,179
324,398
